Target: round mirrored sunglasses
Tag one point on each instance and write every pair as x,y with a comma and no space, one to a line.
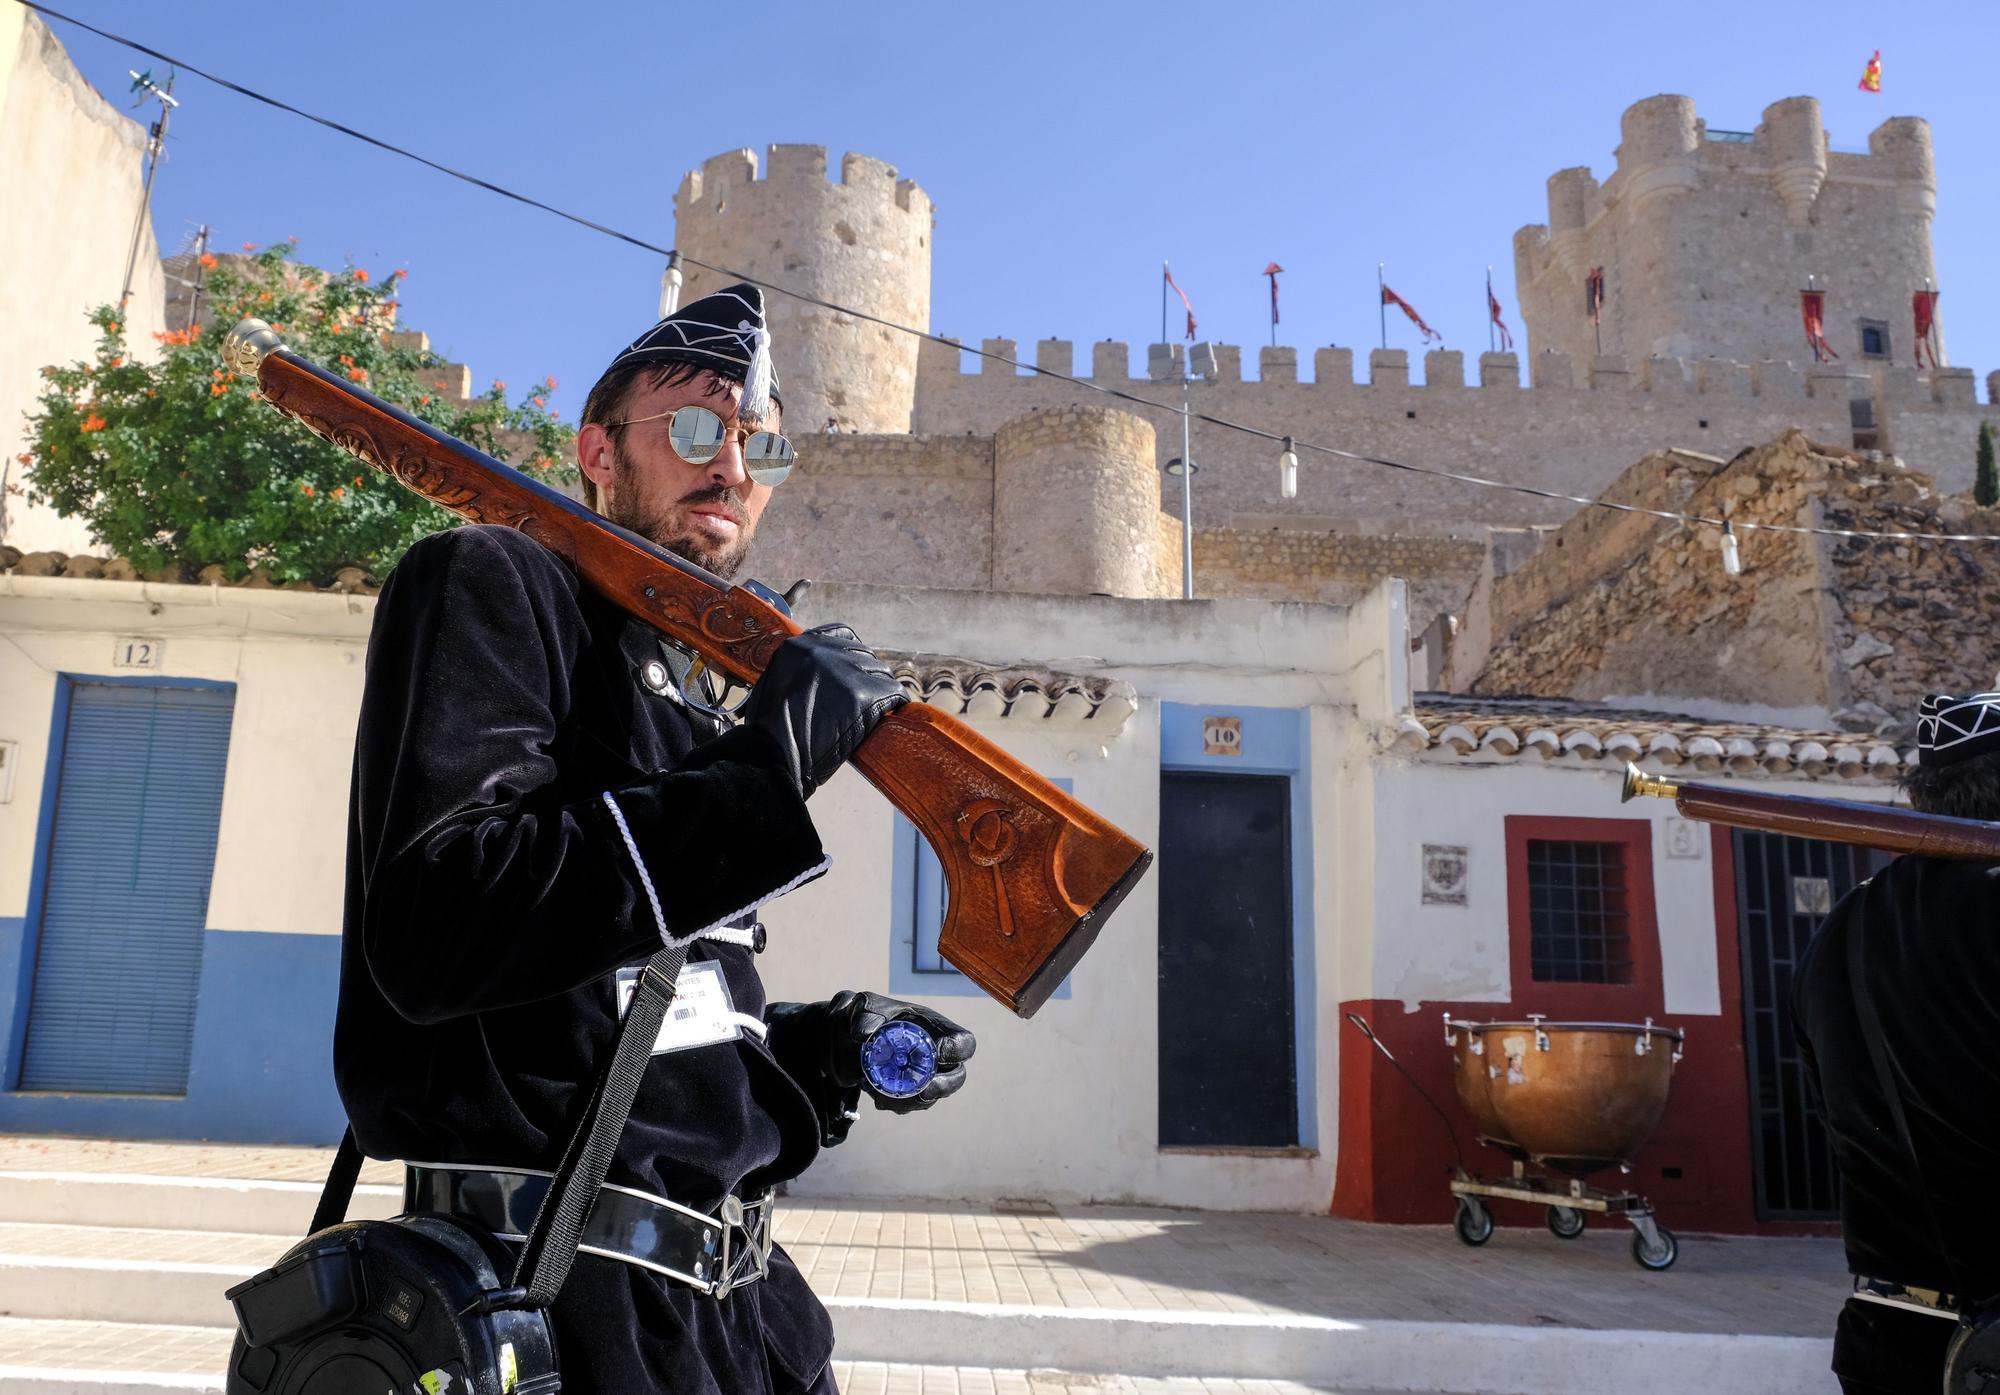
698,436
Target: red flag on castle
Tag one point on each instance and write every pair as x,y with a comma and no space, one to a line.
1184,299
1923,304
1812,309
1871,76
1389,297
1272,271
1493,313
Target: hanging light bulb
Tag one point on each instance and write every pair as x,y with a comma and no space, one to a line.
1288,471
670,285
1732,560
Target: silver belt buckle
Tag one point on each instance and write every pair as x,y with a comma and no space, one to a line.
754,1223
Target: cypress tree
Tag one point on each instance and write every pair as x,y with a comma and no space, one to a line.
1986,484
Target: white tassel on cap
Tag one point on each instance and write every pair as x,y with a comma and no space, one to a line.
756,403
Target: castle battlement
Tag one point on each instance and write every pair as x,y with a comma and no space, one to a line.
939,363
793,169
862,241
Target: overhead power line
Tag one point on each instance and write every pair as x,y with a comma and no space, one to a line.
1223,423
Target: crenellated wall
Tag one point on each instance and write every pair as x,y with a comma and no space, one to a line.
1573,431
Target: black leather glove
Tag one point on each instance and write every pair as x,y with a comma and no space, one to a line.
822,694
819,1045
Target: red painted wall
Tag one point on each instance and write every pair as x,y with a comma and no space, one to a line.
1395,1159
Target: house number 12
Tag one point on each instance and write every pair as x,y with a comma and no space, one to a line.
135,651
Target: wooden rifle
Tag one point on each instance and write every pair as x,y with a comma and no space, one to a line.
1836,820
1031,874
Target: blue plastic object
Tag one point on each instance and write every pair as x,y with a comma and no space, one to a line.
898,1060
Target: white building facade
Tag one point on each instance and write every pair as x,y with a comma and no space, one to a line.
172,833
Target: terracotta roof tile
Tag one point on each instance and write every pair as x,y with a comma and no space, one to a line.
1452,726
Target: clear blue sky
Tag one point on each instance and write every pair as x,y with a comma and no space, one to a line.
1069,147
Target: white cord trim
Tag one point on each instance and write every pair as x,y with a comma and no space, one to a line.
722,922
638,862
719,929
730,935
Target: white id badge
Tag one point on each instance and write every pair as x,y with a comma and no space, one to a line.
701,1013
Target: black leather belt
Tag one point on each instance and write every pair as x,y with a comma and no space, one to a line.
1920,1300
712,1253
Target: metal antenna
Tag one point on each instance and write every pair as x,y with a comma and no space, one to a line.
155,146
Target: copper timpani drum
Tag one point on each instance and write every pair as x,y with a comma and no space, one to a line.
1576,1097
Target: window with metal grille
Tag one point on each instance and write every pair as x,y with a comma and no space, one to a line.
1579,930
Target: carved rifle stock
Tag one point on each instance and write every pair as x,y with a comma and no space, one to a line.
1031,874
1836,820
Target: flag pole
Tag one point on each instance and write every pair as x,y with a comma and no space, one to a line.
1163,304
1381,305
1492,344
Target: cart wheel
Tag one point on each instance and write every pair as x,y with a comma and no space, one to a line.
1565,1222
1656,1258
1475,1223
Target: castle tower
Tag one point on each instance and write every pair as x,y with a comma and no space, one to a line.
1707,237
1076,506
863,242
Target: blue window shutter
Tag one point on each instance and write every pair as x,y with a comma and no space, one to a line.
130,858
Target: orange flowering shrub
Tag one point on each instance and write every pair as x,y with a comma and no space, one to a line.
178,463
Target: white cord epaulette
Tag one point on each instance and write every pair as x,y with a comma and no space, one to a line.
720,929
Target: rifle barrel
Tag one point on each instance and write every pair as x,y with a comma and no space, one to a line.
1836,820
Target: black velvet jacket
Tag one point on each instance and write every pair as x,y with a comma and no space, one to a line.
491,897
1931,945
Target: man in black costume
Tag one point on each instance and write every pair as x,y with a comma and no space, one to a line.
1915,949
543,797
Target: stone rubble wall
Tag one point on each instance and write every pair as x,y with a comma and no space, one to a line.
1592,543
1854,629
1666,621
1906,619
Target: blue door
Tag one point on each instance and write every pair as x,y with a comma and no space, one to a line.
128,860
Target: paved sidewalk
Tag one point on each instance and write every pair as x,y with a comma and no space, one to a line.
107,1250
1143,1260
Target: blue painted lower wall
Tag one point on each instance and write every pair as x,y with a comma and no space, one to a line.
262,1066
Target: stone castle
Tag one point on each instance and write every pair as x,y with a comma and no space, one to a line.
1003,479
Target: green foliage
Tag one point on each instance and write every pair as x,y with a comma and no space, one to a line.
1986,484
177,464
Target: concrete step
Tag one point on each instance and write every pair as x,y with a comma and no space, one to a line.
162,1202
128,1278
96,1358
126,1274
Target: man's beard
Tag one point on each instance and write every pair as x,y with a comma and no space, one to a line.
656,525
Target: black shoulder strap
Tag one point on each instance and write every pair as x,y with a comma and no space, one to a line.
551,1246
339,1189
1878,1052
552,1240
